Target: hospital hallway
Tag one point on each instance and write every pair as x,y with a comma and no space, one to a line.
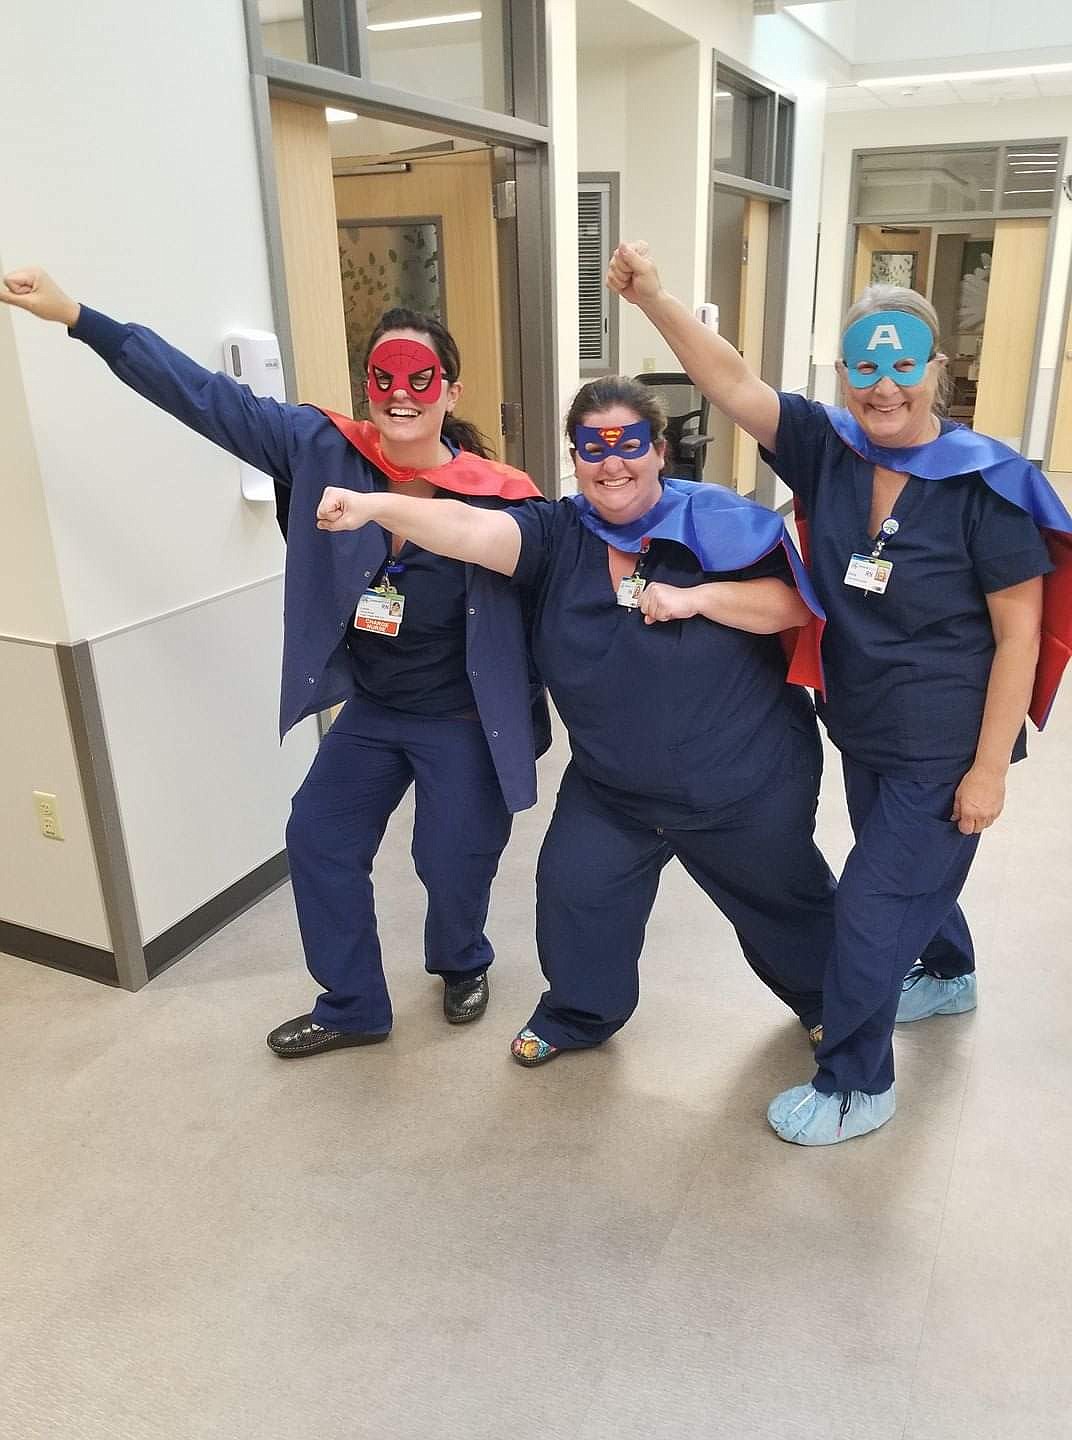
201,1242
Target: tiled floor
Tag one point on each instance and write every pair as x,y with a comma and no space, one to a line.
423,1239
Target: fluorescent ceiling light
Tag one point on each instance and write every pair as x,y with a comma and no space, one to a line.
338,117
880,82
429,20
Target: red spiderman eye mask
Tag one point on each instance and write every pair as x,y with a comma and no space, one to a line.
405,365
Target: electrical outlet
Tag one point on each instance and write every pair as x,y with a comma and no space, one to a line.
48,815
647,365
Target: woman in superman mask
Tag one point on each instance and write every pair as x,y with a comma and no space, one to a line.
657,610
429,655
943,560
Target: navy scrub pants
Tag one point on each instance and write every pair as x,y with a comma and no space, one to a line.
596,882
363,768
897,899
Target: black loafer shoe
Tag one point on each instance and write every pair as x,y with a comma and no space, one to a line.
301,1037
465,1000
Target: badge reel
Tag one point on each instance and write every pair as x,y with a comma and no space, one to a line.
380,609
871,573
631,587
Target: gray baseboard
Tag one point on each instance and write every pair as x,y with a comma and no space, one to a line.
175,942
58,953
180,939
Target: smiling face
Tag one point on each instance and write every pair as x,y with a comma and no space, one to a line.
618,472
890,375
408,394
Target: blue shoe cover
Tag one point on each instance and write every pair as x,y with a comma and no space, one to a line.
923,995
804,1116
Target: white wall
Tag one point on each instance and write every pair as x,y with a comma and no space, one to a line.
657,166
659,100
31,604
47,885
131,174
946,124
132,177
561,21
209,805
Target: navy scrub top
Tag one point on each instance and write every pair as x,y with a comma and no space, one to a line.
421,670
906,671
670,723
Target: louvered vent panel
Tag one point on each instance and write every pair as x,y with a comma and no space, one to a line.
593,216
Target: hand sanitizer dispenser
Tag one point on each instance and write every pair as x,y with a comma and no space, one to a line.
252,358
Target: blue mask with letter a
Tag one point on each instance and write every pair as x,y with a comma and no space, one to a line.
890,343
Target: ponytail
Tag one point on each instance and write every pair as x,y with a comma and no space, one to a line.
466,436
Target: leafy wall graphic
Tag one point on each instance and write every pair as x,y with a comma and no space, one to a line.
384,263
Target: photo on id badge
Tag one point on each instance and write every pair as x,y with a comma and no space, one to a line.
379,613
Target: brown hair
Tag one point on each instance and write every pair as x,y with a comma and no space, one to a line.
611,390
899,297
459,432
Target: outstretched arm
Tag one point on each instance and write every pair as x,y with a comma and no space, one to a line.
711,363
445,527
255,428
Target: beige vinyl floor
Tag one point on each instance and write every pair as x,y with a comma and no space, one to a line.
424,1240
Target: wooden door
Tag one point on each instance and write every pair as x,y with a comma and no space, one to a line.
750,329
311,254
456,188
1060,457
881,239
1012,313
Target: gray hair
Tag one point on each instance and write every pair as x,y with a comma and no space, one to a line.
899,297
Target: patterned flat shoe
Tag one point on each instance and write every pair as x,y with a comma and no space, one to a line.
528,1049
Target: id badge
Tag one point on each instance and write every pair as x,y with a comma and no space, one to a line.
867,573
380,611
629,590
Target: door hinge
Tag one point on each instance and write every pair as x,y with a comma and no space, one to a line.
510,419
504,199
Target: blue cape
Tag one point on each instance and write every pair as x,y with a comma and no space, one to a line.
725,532
961,451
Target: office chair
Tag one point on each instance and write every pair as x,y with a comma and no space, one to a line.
686,426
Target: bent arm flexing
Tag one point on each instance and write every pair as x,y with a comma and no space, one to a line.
445,527
711,363
762,607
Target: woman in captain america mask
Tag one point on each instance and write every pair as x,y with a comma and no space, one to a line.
429,655
657,606
930,548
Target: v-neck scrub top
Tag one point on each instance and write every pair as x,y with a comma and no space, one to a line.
672,723
906,671
421,670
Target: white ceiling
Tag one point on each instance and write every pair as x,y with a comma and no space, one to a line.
947,92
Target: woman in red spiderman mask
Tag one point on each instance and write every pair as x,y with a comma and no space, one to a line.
429,655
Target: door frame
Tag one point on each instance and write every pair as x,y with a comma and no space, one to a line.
530,140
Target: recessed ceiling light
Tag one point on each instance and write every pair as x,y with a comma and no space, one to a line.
881,81
428,20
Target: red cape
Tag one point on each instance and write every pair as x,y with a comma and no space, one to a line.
466,474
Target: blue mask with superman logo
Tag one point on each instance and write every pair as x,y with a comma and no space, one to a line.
890,343
628,442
